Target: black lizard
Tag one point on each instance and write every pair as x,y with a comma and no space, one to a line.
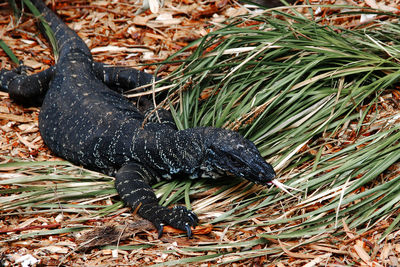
85,119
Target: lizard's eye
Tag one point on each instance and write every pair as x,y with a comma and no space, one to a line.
233,160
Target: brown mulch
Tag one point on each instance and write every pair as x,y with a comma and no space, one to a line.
117,36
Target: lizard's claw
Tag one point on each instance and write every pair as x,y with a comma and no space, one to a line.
160,229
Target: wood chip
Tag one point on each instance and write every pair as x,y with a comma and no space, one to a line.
13,117
141,20
32,64
25,142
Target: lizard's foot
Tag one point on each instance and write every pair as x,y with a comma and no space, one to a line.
178,217
132,184
22,69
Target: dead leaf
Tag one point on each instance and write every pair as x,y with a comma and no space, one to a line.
199,230
318,260
296,255
371,3
55,249
346,228
363,254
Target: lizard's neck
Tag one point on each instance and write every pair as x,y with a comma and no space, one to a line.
169,151
190,149
193,145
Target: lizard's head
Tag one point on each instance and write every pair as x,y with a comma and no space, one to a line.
228,152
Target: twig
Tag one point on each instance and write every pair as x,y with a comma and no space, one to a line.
49,226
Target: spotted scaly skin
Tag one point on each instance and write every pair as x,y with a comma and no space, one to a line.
85,119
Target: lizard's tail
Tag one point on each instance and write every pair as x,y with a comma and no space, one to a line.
67,39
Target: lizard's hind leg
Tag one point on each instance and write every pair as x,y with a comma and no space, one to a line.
132,183
27,90
121,79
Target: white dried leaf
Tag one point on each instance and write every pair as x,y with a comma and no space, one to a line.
27,260
367,17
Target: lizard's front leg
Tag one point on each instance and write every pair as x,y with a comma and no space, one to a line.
132,184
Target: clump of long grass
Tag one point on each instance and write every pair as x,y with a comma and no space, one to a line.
312,98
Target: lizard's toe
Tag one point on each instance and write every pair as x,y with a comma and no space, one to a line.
182,217
22,69
188,230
